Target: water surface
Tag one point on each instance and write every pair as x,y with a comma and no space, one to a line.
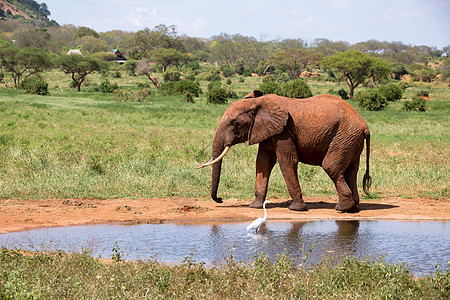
421,245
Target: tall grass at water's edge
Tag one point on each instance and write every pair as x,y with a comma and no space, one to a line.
77,145
59,275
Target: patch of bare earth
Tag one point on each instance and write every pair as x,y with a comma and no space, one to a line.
19,215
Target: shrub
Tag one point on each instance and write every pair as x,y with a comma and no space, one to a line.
108,87
343,94
227,71
417,103
371,100
35,85
391,91
171,76
270,87
296,88
269,78
218,94
214,77
423,93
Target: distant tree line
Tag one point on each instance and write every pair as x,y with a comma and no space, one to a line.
156,50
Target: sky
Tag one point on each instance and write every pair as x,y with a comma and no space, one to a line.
415,22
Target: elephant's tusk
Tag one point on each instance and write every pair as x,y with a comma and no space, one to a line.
212,162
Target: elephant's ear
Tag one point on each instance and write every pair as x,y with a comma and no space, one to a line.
267,123
254,94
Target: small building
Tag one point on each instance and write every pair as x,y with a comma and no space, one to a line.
119,56
75,51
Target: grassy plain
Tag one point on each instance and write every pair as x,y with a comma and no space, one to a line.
59,275
89,144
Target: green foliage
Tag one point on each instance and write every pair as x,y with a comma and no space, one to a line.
181,87
343,94
371,99
78,67
117,74
227,71
217,94
130,66
270,87
417,103
391,91
35,85
355,67
297,88
107,87
171,76
78,275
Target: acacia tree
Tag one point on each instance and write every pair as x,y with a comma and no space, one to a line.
169,57
23,62
295,60
354,68
79,66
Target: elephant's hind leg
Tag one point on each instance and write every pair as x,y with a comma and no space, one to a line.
350,176
265,162
336,172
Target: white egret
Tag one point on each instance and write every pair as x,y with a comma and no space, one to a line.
258,222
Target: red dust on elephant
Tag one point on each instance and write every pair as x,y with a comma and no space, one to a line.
323,130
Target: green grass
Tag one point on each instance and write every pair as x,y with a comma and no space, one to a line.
77,145
58,275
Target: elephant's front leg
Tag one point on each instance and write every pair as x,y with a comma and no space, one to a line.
265,162
288,160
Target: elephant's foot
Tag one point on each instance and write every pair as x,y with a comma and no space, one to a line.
257,203
347,206
298,206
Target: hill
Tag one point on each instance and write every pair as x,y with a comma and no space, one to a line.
23,9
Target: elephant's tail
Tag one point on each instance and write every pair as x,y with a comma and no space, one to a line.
367,180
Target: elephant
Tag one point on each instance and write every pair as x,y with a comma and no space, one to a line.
323,130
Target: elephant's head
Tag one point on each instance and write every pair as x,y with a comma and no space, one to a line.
254,119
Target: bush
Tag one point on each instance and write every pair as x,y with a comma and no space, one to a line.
269,78
270,87
218,94
371,100
417,103
35,85
172,76
423,93
296,88
343,94
391,91
108,87
227,71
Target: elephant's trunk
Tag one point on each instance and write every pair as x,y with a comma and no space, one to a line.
218,149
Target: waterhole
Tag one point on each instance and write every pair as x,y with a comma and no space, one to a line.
420,245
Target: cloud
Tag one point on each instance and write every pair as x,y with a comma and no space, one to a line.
138,16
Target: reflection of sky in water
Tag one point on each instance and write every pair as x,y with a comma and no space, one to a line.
420,244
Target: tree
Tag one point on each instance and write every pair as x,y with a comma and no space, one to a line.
169,57
23,62
295,60
355,67
146,40
86,31
38,38
78,67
